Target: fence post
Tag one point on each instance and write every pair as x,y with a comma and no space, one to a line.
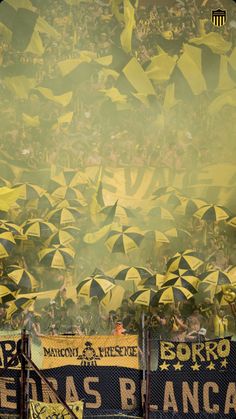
23,382
148,368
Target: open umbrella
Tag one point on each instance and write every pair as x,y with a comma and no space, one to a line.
130,273
178,233
212,213
143,297
69,177
12,227
188,206
216,278
74,231
171,199
76,203
157,236
155,280
38,227
62,237
124,239
232,221
7,244
161,213
171,295
18,305
94,287
57,256
22,277
8,293
163,190
64,215
46,201
29,191
122,213
68,193
189,259
182,278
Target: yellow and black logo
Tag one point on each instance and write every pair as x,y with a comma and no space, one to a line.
218,17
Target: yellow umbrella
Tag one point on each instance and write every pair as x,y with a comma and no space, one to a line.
171,295
212,213
182,278
130,273
189,259
155,280
94,287
143,297
188,207
157,236
64,215
7,244
124,239
29,191
57,257
22,277
38,227
68,193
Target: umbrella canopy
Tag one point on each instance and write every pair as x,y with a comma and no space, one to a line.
156,280
7,244
29,191
212,213
178,233
157,236
161,213
12,227
8,293
124,214
123,239
94,287
57,257
188,206
69,177
143,297
130,273
171,295
4,182
62,237
64,215
68,193
76,203
232,221
164,190
45,201
216,278
38,227
22,277
189,259
182,278
74,231
20,304
170,199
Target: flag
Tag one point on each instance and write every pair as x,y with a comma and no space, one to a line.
23,26
227,98
161,67
170,99
137,78
115,7
226,82
214,41
190,65
62,99
19,78
31,121
114,94
129,20
42,410
66,118
8,197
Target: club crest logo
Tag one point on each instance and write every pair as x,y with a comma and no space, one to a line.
89,356
218,17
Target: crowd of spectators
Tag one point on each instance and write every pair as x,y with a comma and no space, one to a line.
139,136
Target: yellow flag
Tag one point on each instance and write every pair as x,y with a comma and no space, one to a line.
31,121
66,118
91,238
20,85
232,59
161,67
67,66
8,197
170,99
214,41
114,94
63,99
42,410
129,19
36,44
225,81
190,66
227,98
138,78
115,10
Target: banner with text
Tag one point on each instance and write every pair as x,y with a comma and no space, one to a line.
113,351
